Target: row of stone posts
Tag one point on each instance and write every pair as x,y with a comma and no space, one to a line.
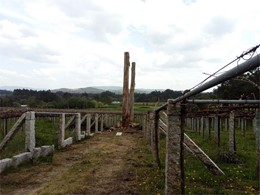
206,125
27,122
174,165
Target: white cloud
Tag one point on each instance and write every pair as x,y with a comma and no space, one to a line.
52,44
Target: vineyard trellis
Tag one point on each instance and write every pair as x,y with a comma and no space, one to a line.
173,124
94,122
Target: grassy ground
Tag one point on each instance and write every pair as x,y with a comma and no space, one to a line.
239,169
103,164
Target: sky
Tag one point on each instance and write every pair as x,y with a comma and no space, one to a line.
50,44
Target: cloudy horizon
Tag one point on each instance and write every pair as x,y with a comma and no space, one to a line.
50,44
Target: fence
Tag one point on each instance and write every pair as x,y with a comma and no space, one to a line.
69,127
172,123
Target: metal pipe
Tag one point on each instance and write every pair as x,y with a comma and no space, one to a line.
215,101
239,69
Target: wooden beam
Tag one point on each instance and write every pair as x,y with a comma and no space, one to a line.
12,132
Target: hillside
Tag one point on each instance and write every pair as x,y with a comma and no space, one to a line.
100,89
90,90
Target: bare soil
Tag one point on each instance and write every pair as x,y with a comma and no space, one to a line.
102,164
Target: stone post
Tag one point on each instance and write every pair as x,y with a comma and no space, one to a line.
102,123
78,126
144,124
226,124
96,122
217,130
202,126
30,131
61,131
154,138
106,120
232,142
207,126
5,127
257,133
174,174
88,123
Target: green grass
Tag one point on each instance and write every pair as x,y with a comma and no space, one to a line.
15,146
239,169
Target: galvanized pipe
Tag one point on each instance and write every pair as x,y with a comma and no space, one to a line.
215,101
239,69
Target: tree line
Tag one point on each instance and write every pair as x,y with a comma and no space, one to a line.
48,99
246,86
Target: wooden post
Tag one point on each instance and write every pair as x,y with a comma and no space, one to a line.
232,142
174,175
30,131
132,92
125,110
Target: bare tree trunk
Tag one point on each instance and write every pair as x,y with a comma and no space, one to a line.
125,110
132,92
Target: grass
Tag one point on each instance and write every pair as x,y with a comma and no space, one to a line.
239,169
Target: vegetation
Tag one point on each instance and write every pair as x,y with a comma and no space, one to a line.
61,100
239,169
243,87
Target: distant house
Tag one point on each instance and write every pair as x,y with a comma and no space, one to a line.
24,106
116,102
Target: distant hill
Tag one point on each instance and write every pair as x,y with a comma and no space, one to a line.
90,90
5,92
100,89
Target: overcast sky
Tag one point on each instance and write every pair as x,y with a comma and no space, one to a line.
48,44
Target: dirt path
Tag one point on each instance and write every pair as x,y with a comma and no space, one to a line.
103,164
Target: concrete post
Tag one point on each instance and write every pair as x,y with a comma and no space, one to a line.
102,123
226,124
5,127
88,123
144,124
192,124
202,126
174,175
243,126
232,142
154,138
78,126
207,126
216,130
257,133
96,122
149,131
106,120
30,131
62,130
